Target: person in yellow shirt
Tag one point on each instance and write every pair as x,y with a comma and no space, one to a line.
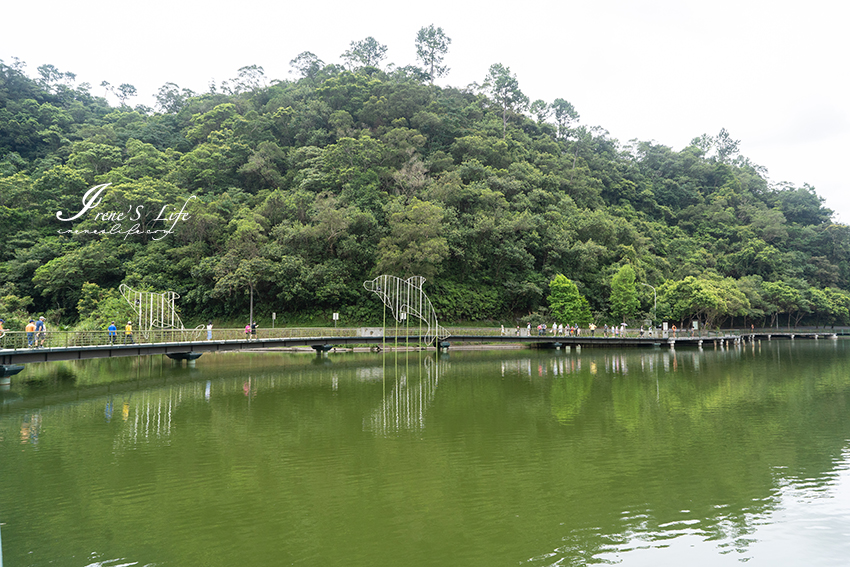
128,332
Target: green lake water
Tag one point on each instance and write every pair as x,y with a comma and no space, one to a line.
719,456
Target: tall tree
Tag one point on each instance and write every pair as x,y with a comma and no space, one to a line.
249,78
726,147
364,53
307,64
567,304
504,88
624,297
124,92
565,115
51,77
170,98
432,44
541,109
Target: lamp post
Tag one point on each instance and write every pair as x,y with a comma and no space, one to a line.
655,302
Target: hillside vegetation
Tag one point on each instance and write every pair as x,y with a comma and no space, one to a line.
301,190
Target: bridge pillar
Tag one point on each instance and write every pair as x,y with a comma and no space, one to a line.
7,370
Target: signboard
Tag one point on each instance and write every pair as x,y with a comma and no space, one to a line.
371,331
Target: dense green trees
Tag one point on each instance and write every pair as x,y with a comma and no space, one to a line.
304,188
567,304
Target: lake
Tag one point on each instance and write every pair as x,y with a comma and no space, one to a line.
717,456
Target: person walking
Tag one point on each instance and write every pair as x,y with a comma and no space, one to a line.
40,332
128,332
30,329
209,331
112,332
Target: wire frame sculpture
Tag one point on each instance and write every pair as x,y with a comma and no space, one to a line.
153,310
406,298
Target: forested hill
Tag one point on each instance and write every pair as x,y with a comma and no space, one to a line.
303,189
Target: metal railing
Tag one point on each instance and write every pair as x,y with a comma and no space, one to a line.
14,340
585,333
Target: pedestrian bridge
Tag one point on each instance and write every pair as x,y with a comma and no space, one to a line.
191,343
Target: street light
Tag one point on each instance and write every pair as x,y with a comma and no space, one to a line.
655,304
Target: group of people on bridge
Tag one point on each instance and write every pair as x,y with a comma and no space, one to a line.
560,330
36,331
113,332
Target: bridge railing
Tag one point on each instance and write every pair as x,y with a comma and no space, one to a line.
54,339
599,332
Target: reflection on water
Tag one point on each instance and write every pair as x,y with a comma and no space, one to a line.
635,457
403,408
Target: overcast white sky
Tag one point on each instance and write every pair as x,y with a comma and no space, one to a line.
773,73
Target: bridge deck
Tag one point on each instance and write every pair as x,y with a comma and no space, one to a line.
48,354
